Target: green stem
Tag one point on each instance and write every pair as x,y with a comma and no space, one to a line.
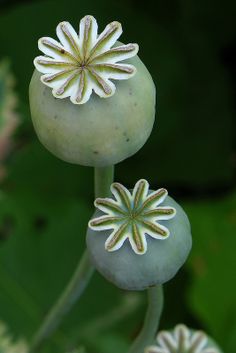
82,274
103,178
70,295
151,322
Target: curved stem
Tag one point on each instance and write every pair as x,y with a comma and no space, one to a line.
70,295
82,274
151,322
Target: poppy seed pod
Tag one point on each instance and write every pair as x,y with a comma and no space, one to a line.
78,113
150,241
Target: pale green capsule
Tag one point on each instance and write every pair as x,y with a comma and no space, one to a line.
101,132
157,265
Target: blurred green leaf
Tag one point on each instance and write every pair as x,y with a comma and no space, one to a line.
212,263
108,343
42,232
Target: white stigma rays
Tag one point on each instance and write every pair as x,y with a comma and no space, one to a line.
182,340
132,216
80,64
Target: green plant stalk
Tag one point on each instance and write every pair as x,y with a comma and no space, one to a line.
151,322
103,178
82,275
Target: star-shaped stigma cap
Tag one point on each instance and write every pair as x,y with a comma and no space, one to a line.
81,63
133,216
183,340
138,238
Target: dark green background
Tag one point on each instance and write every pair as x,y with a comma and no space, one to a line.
189,47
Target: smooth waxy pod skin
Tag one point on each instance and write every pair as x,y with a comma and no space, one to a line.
160,262
101,132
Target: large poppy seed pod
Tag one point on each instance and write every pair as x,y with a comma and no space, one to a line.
183,340
98,123
150,241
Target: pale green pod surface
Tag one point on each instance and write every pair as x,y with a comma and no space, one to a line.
102,131
159,264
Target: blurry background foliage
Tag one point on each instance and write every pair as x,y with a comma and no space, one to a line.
189,48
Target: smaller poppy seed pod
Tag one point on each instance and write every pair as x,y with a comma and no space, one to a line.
150,241
69,113
183,340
